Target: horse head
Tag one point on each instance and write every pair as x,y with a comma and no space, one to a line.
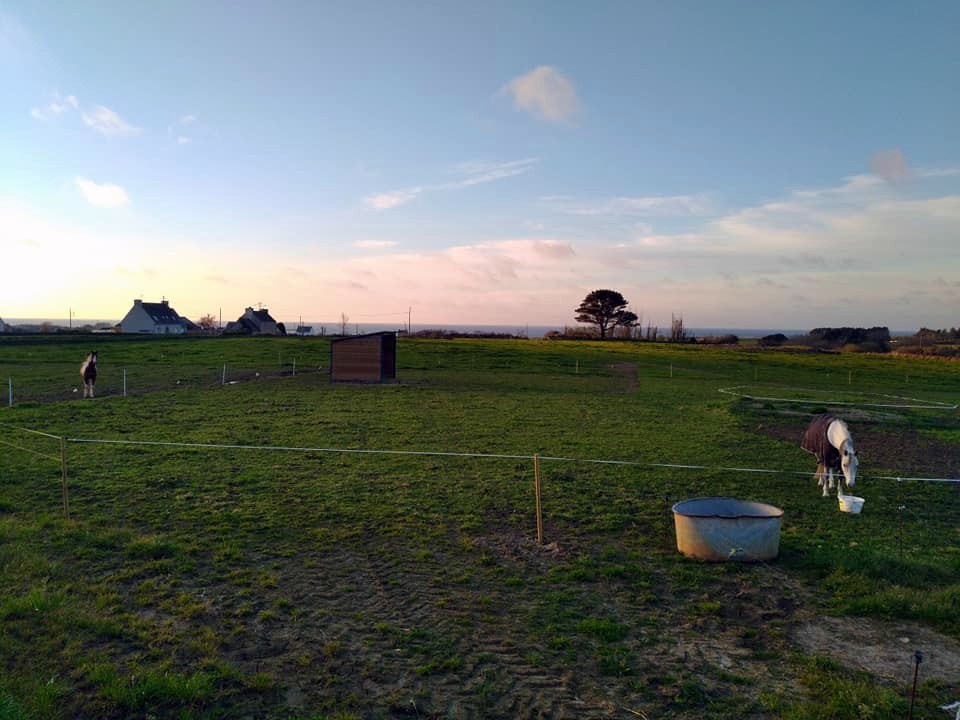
849,463
92,357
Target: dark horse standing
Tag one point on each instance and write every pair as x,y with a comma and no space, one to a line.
88,371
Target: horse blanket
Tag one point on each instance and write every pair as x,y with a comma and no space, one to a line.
815,442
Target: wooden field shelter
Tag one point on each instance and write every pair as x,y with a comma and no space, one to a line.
368,358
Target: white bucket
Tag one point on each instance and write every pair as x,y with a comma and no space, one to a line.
850,503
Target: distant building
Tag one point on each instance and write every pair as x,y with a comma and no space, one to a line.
255,322
3,326
153,319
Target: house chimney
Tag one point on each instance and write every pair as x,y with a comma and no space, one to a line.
137,301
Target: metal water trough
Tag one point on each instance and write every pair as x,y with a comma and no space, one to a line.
720,529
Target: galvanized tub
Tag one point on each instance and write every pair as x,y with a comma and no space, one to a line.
719,529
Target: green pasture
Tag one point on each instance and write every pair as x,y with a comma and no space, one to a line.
217,582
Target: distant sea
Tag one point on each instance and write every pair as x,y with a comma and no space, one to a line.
531,331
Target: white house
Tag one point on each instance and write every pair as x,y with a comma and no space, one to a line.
154,319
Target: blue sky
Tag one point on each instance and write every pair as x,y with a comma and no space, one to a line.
740,163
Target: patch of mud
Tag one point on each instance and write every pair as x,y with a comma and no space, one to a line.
627,371
396,638
882,649
905,451
518,548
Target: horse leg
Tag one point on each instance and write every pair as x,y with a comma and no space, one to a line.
821,480
831,479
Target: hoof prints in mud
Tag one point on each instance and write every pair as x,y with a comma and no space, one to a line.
386,636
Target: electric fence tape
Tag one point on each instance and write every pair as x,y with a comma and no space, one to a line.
934,406
500,456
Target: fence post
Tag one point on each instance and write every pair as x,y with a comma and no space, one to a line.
124,382
294,367
10,394
536,492
223,378
63,478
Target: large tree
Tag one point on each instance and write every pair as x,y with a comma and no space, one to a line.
208,323
606,309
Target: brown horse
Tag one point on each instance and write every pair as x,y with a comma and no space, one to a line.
88,371
828,439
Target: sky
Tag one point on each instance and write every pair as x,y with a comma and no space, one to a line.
738,164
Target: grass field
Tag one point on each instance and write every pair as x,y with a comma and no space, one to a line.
227,582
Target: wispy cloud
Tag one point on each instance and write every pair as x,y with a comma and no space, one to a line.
102,195
941,172
643,206
107,122
392,199
470,173
483,172
58,105
178,129
479,282
545,93
62,104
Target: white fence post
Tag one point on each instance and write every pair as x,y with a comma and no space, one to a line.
223,378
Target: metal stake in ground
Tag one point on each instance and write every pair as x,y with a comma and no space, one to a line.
917,659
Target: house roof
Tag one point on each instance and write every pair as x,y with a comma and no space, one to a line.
263,316
161,313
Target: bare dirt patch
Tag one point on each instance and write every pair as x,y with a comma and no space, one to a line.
903,450
627,371
883,649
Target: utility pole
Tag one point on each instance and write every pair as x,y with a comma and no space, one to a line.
409,310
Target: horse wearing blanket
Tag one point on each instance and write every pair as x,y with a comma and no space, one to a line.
88,371
828,438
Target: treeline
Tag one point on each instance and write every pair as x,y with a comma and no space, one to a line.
951,335
856,339
935,343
